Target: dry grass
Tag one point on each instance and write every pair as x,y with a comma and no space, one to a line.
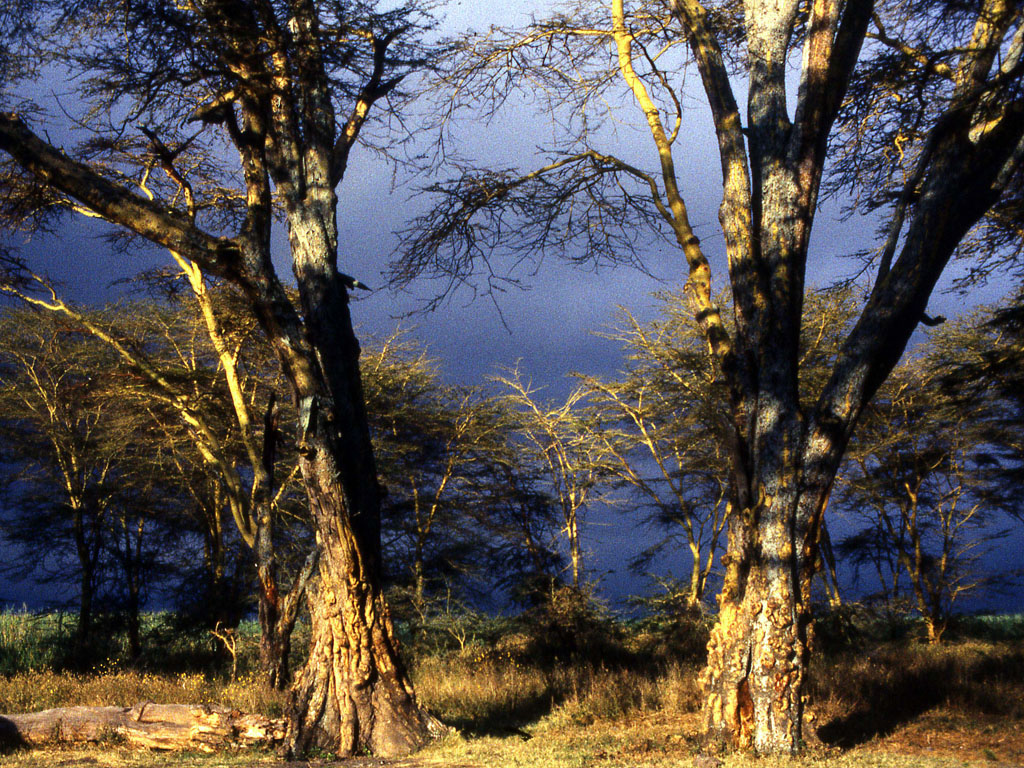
860,696
896,705
43,689
901,705
488,696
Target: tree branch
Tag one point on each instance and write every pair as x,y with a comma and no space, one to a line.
376,88
218,256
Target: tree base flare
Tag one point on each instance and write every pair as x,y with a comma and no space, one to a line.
206,727
754,677
353,696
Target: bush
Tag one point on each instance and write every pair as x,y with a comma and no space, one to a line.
670,628
572,625
47,642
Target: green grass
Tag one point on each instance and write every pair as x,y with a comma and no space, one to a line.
31,641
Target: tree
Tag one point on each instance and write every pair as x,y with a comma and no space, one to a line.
909,480
292,88
87,499
562,443
140,541
55,426
524,532
915,106
663,425
986,379
665,421
189,369
439,449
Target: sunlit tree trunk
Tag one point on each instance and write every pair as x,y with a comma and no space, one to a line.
937,166
354,693
759,648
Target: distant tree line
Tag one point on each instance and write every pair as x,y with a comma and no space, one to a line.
132,437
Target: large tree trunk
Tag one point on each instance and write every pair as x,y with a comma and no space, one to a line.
353,694
758,651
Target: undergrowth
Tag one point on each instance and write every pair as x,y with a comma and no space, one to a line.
619,689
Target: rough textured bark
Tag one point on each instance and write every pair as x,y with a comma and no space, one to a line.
203,727
353,695
273,95
277,613
760,645
785,457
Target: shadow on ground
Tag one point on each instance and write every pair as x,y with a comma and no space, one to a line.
904,689
508,720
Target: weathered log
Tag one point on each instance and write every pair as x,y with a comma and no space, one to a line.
205,727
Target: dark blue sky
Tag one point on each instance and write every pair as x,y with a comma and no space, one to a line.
549,327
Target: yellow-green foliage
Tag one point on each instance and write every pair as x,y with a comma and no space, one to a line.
29,641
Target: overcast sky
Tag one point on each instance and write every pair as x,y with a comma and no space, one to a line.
550,326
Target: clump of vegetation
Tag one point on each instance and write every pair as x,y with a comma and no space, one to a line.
177,667
29,641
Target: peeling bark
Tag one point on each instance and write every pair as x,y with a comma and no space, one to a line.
758,650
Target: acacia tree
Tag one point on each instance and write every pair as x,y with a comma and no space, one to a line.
437,446
917,104
87,499
908,481
180,366
291,87
665,421
662,424
984,367
560,440
55,428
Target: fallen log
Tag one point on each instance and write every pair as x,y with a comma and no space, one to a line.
205,727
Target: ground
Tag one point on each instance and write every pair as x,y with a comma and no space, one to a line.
932,740
628,697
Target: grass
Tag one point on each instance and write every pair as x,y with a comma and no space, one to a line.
45,689
518,700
